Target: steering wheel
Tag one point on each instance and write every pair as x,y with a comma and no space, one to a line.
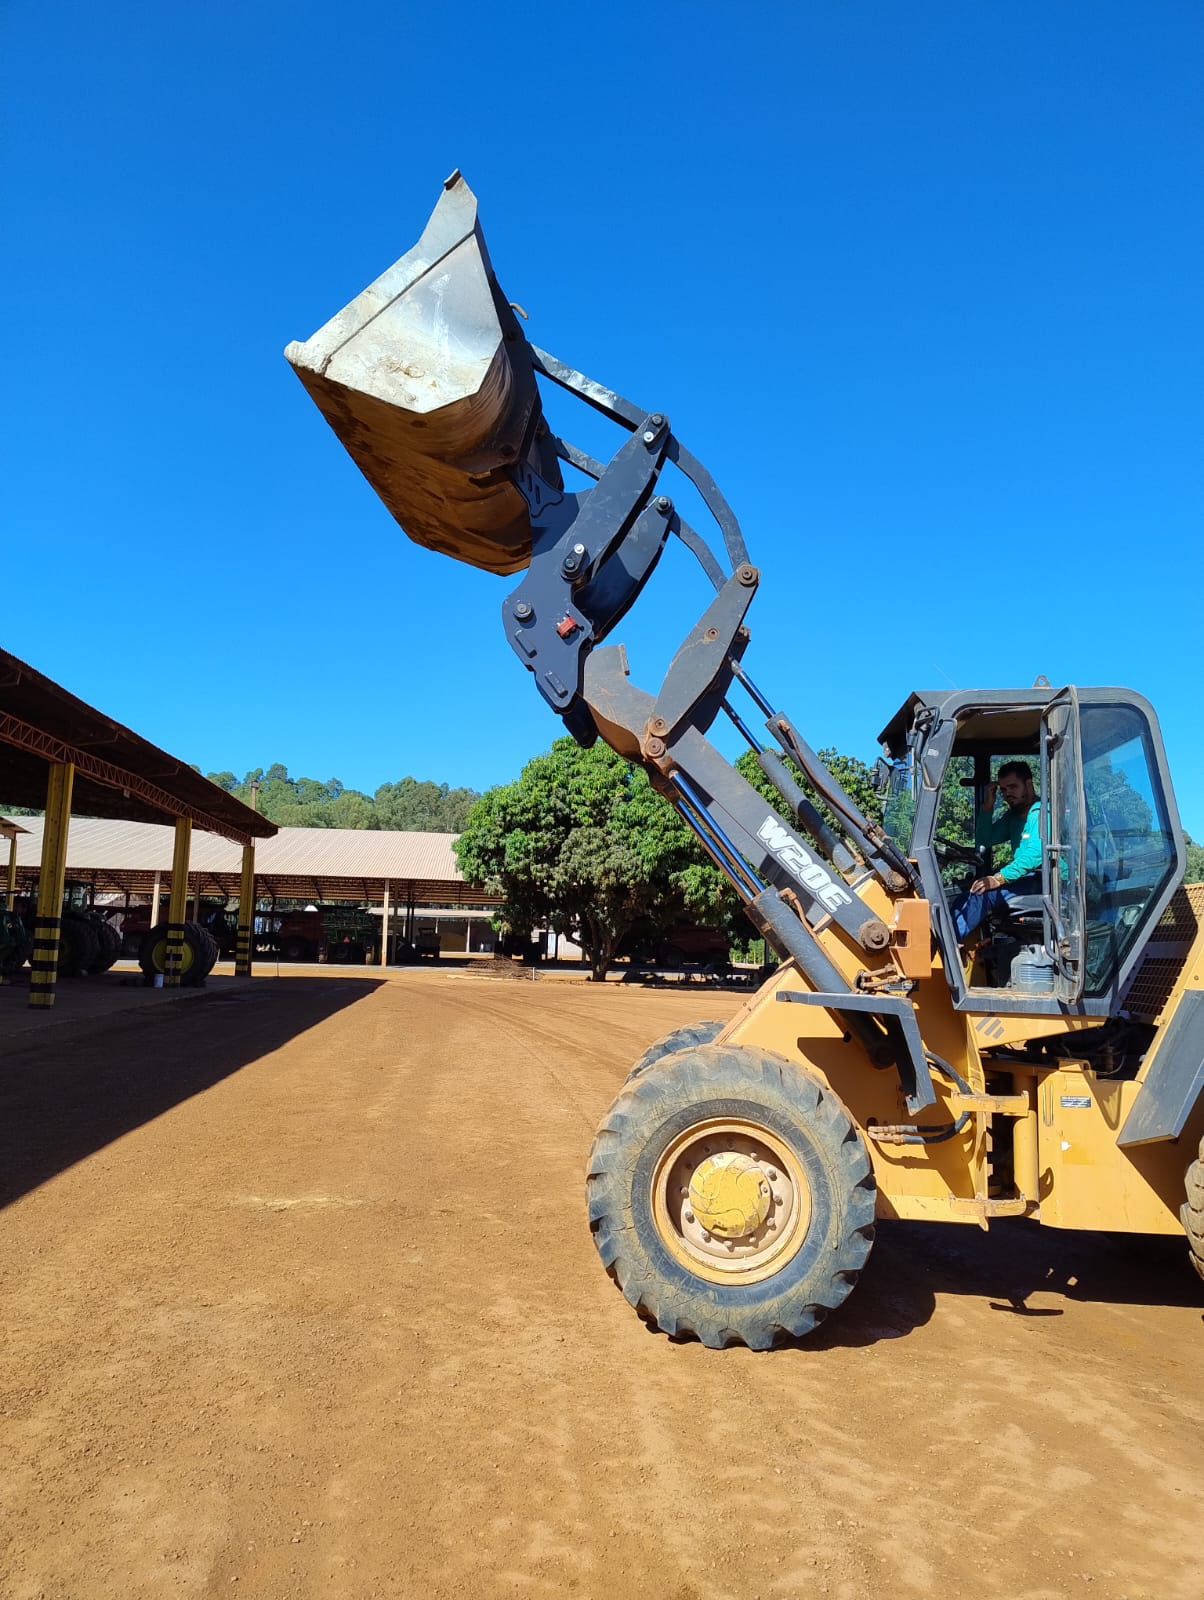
950,850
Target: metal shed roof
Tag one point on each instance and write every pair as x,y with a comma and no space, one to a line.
118,774
298,863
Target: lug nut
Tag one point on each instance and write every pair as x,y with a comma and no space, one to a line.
689,1216
771,1174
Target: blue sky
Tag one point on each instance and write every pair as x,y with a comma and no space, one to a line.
920,283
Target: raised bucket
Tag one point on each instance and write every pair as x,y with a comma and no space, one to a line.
426,380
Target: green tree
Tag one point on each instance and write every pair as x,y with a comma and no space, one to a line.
409,805
853,776
1195,861
422,807
582,843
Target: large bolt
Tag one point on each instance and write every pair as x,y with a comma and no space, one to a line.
523,611
663,504
655,748
658,725
747,575
649,437
656,419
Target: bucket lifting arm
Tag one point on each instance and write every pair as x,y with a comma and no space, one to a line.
428,380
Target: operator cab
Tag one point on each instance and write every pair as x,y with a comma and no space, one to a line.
1112,847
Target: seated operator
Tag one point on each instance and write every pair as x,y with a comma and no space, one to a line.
1019,826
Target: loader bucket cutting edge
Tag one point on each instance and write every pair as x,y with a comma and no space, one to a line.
426,380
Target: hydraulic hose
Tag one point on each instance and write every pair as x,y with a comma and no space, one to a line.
926,1132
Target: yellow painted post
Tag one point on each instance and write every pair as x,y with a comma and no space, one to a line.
177,905
246,914
11,897
52,875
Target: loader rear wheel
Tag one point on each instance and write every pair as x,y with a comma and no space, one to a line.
1192,1212
731,1197
694,1033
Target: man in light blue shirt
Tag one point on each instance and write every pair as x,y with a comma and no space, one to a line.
1020,826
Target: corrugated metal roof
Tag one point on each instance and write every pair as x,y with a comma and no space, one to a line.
329,863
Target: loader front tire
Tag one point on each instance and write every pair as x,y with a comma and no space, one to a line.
731,1197
1192,1212
694,1033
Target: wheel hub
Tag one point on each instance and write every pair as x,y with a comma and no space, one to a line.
730,1194
731,1201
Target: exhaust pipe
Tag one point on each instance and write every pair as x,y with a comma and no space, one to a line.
426,379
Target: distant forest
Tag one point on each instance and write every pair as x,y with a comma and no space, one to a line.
410,805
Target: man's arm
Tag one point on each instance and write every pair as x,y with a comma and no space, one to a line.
988,829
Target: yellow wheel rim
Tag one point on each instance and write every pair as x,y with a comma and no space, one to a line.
159,956
730,1201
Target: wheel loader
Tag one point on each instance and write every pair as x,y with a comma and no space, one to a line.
1050,1066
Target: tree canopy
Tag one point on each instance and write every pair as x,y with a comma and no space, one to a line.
409,806
583,844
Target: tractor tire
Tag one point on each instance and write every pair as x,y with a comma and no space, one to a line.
731,1197
694,1033
1192,1212
296,949
79,945
199,954
108,944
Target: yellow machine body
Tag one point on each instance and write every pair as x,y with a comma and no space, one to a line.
1040,1142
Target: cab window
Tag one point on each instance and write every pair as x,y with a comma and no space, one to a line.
1130,849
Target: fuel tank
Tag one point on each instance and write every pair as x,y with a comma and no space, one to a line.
427,381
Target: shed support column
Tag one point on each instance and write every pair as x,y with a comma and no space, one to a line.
154,905
384,929
52,875
177,905
246,914
10,899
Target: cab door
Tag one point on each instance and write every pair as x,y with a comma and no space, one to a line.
1063,876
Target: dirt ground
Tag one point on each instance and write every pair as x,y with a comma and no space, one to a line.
298,1299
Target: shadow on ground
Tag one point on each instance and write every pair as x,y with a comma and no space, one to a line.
63,1098
914,1262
